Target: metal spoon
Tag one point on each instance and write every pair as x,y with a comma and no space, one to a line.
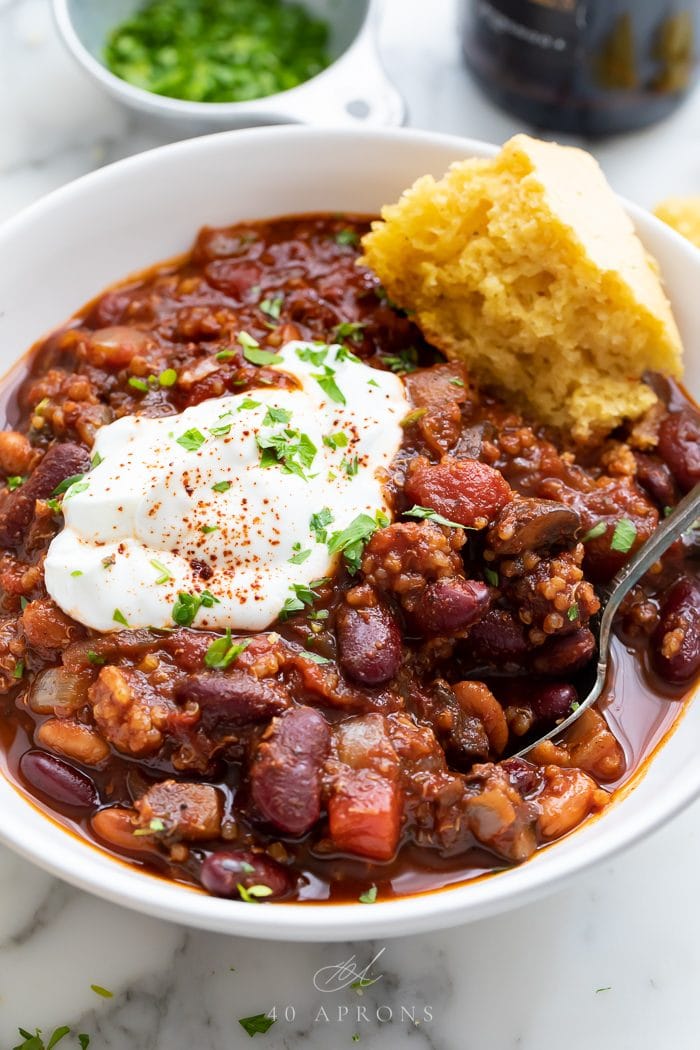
680,519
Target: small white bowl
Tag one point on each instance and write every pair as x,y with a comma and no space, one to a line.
354,90
61,252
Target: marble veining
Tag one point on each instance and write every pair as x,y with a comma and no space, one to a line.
610,962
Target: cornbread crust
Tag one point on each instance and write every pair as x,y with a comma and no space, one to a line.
526,268
683,214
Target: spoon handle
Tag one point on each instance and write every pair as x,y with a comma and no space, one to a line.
679,520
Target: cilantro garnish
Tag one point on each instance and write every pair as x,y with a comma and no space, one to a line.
272,307
222,486
253,352
187,606
412,417
326,380
303,595
318,523
64,485
248,403
276,415
99,990
259,1023
338,440
191,440
347,238
299,556
427,514
311,356
95,658
491,577
138,384
14,482
225,355
291,450
349,330
368,897
168,377
572,612
119,617
352,540
252,894
224,651
402,363
593,533
314,657
96,460
351,466
624,536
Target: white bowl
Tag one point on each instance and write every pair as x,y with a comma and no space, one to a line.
62,251
353,90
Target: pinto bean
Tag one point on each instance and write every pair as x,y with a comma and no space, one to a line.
223,872
569,795
58,781
675,644
116,826
285,774
15,453
462,490
61,461
679,446
451,604
369,644
74,740
527,524
565,653
234,699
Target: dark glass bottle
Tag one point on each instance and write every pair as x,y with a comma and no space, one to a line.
590,67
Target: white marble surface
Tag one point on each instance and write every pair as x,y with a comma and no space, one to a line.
612,963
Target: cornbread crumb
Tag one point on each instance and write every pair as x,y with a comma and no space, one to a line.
683,214
526,268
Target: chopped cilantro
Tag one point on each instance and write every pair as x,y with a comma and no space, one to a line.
248,403
119,617
64,485
95,658
402,363
352,540
164,573
313,357
222,486
188,605
351,466
491,577
96,460
456,382
77,572
276,415
292,451
272,307
299,556
427,514
338,440
318,523
372,382
349,330
191,440
368,897
14,482
207,529
413,417
84,1041
314,657
623,536
76,489
326,380
53,505
154,827
572,612
258,1024
138,384
223,430
347,238
224,651
253,352
593,533
225,355
303,595
18,669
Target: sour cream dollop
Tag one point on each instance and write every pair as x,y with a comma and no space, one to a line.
228,497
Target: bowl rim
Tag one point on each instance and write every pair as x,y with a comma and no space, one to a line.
124,884
141,98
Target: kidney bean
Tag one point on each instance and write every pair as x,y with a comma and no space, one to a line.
552,702
61,461
565,653
223,872
58,781
285,774
679,445
451,604
675,644
498,639
656,478
369,644
234,699
526,524
463,490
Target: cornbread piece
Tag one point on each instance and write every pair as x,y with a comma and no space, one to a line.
526,268
683,213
